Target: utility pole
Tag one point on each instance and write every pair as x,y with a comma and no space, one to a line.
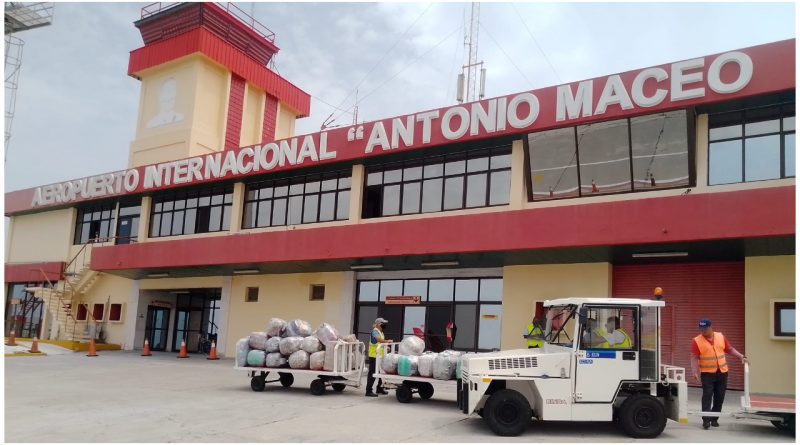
469,75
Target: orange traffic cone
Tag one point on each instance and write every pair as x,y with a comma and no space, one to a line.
35,346
92,349
213,354
12,338
183,354
146,351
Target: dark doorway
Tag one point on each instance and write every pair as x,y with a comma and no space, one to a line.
437,318
195,319
157,327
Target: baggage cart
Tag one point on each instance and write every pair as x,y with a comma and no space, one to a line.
406,386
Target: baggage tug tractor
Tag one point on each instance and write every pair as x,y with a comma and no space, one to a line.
600,361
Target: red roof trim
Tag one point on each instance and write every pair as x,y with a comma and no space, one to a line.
32,272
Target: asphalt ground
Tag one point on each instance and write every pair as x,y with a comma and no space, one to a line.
123,397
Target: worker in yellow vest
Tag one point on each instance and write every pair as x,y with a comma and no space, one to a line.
710,368
533,333
375,338
594,337
616,337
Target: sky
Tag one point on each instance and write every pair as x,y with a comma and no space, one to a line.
76,107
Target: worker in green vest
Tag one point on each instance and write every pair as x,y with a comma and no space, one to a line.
533,333
376,338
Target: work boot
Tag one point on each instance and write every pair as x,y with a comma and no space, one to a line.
370,394
382,391
714,423
706,423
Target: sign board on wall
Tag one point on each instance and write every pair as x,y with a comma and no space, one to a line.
159,303
403,299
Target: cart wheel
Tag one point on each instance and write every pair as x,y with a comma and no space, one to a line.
787,424
257,383
403,394
507,412
318,387
425,390
642,416
338,387
286,379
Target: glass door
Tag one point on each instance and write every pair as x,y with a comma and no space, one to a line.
157,328
437,318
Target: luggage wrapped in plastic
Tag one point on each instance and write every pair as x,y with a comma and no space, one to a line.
411,345
273,344
256,357
299,360
316,361
298,328
407,365
389,363
275,360
290,345
331,352
275,327
444,366
311,344
258,340
326,333
461,359
350,338
242,348
425,364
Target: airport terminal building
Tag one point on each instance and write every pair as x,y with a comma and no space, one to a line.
680,176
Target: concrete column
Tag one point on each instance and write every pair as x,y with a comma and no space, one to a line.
131,314
144,220
237,207
519,193
9,237
356,193
340,311
223,314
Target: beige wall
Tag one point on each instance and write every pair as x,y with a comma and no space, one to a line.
287,296
523,286
772,361
110,289
252,116
284,127
45,236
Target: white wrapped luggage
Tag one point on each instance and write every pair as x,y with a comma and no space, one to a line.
389,363
258,340
256,357
298,360
326,333
273,344
275,327
290,345
242,348
411,345
311,344
425,364
298,328
316,361
275,360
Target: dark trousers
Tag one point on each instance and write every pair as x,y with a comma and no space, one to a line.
714,385
371,378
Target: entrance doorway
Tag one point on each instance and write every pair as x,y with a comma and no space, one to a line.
157,327
195,319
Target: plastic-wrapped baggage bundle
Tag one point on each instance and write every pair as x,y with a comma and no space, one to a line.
316,361
298,360
331,351
425,364
407,365
389,363
242,348
275,327
273,344
256,357
444,366
326,333
275,360
311,344
298,328
461,360
290,345
350,338
411,345
258,340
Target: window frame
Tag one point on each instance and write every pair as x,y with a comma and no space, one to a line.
634,336
111,220
311,293
775,331
179,202
248,294
121,317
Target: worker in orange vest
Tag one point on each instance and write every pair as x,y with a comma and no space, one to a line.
711,369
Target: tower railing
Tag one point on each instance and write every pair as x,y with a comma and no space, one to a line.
229,7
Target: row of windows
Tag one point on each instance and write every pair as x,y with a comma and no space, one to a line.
194,211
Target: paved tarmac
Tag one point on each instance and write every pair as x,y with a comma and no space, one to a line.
123,397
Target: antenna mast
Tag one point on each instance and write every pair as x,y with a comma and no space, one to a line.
468,78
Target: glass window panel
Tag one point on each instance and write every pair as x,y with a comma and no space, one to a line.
725,126
412,173
106,214
789,156
368,291
391,200
762,157
375,178
440,290
501,161
177,223
329,184
476,190
264,213
295,210
155,227
762,120
279,212
492,289
203,201
762,127
454,193
104,226
367,316
86,229
725,162
156,208
310,206
464,325
454,167
604,157
180,204
414,317
411,197
226,217
312,187
392,176
467,290
416,288
327,207
251,195
729,132
265,193
249,215
191,202
282,190
553,159
434,170
343,205
344,183
788,123
228,198
787,320
168,205
296,189
477,164
489,326
189,221
432,195
391,288
500,187
216,199
660,150
130,211
215,219
166,224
